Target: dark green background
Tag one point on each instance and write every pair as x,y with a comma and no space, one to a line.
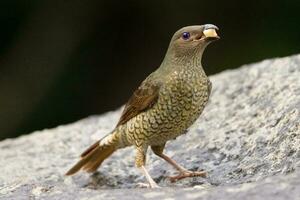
61,61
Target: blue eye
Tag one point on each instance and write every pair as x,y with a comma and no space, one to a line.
186,35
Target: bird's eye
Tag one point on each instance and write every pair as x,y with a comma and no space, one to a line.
186,35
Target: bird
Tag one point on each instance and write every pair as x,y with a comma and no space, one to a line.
162,108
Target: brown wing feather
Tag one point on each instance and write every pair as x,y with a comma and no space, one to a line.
143,98
91,148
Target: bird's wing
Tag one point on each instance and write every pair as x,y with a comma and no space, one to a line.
142,99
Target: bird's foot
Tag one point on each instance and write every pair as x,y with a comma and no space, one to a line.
142,185
185,174
147,185
154,185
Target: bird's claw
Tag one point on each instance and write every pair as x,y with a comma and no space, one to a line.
186,174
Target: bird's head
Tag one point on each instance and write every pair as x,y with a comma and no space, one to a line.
192,40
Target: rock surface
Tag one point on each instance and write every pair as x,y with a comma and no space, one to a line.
247,139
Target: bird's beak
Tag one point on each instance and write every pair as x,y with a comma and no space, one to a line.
210,32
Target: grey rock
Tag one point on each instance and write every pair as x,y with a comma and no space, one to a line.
247,139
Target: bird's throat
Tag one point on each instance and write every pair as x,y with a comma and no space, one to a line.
187,62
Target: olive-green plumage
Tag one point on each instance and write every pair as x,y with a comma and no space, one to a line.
167,103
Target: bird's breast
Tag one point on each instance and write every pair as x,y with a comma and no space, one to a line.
182,98
181,101
185,91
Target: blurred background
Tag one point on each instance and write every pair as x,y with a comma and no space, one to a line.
61,61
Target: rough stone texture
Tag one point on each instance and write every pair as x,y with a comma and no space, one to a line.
248,140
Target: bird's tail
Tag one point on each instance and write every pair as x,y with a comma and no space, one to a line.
92,157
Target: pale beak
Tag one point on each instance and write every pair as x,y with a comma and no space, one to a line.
210,32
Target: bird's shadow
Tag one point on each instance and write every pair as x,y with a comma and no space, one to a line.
99,180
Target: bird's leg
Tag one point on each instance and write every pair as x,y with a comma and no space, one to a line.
140,162
183,173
